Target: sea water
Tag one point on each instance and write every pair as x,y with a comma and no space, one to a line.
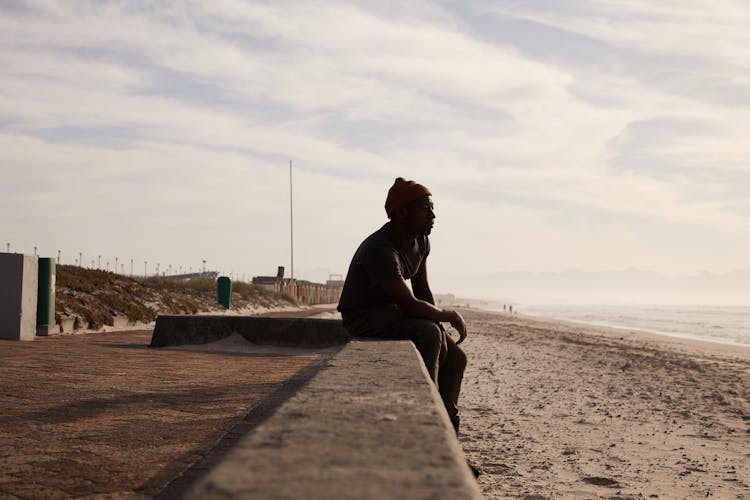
725,324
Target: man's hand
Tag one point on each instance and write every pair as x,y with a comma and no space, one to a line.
459,324
399,293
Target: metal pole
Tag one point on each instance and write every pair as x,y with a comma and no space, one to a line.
291,220
115,264
58,257
80,259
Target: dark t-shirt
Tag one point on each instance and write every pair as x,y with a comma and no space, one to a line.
377,261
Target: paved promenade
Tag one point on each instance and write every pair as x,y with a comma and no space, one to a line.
102,414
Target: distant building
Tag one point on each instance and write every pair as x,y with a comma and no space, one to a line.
305,292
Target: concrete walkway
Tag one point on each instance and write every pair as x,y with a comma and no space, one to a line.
102,414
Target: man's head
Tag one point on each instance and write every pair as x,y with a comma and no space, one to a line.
410,206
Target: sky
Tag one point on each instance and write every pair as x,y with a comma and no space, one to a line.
554,135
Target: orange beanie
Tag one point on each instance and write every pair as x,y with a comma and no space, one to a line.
402,193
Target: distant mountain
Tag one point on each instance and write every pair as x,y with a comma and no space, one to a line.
588,287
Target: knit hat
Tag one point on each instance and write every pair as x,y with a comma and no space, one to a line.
402,193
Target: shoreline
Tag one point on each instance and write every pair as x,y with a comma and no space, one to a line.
603,325
685,342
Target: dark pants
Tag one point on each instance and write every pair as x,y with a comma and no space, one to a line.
388,322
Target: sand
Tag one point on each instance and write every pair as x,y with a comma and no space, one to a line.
559,410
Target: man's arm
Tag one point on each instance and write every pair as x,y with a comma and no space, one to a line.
415,307
421,286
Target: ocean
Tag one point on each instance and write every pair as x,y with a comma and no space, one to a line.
724,324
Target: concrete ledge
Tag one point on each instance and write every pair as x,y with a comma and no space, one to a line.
370,425
300,332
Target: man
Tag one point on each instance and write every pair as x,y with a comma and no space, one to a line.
376,302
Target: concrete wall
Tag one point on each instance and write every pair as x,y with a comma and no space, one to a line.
298,332
370,426
19,276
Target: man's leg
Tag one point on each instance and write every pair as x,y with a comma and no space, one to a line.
450,376
427,338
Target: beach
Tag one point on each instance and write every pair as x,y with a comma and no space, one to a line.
552,409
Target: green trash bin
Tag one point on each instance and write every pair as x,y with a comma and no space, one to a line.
45,305
225,291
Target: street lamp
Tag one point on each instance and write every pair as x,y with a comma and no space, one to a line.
145,268
99,266
58,257
131,267
115,264
34,250
80,259
204,265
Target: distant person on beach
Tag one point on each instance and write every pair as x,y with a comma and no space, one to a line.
376,301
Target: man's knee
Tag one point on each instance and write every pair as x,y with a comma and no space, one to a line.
421,331
429,333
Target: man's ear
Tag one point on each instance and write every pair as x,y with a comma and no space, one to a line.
402,213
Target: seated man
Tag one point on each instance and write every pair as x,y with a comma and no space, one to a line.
376,302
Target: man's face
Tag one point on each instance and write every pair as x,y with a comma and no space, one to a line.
420,216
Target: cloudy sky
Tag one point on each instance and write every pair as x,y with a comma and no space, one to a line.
555,135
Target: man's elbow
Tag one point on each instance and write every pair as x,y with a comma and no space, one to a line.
410,306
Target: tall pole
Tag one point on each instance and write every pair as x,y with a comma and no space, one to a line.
291,220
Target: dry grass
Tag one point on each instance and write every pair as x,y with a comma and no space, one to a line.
96,297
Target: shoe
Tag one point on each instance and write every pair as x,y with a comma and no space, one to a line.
474,470
456,421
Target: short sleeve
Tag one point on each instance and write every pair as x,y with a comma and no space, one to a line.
382,266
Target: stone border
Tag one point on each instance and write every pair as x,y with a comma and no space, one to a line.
370,425
201,329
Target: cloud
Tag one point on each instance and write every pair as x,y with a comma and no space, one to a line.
553,125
